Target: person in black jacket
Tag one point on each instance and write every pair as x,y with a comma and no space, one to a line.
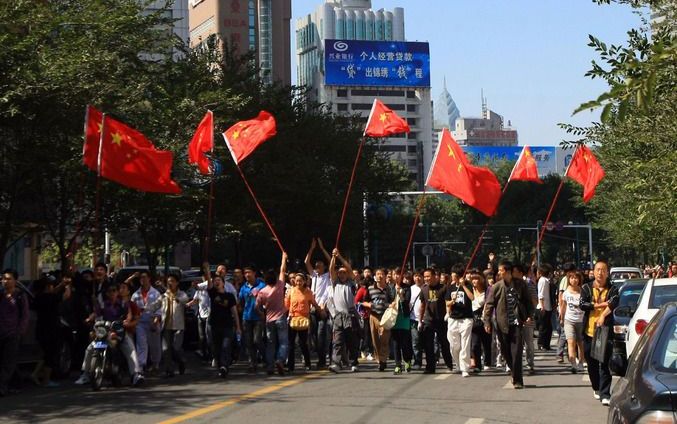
598,300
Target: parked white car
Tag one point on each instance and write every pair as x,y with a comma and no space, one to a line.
622,273
656,293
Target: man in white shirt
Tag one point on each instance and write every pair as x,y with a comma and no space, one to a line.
544,307
320,285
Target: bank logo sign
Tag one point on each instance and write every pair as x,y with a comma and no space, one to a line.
377,63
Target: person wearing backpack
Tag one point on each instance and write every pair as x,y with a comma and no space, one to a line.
13,323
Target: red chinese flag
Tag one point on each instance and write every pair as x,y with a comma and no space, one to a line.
452,173
525,169
202,142
245,136
127,156
585,170
383,122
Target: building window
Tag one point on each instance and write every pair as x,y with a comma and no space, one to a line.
391,148
411,149
342,107
361,106
411,94
341,93
379,93
411,108
412,135
412,121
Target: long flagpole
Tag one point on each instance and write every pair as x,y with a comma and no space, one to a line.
350,187
419,207
210,206
484,229
352,175
552,207
258,206
491,218
97,210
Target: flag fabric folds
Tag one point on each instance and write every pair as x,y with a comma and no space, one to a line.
126,156
453,174
585,170
525,168
201,143
245,136
383,122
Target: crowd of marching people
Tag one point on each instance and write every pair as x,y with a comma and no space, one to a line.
464,321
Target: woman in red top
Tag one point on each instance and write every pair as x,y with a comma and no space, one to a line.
298,301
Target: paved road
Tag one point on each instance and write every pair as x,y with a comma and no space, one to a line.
553,395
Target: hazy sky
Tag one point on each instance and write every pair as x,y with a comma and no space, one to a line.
529,56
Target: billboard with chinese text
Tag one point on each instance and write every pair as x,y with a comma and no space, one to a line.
377,63
546,156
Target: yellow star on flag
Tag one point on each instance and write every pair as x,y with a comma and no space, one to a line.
383,117
236,134
100,127
116,139
460,166
586,157
451,152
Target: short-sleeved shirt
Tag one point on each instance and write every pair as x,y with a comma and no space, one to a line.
435,308
299,302
221,303
380,299
344,297
320,285
271,298
544,293
573,302
248,294
462,308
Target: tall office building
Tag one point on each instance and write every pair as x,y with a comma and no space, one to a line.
446,111
179,14
349,54
248,25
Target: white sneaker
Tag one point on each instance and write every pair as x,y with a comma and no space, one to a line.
370,357
595,395
214,363
486,368
605,402
507,369
465,374
84,379
353,368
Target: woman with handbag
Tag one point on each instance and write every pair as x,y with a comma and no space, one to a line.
598,300
299,300
401,332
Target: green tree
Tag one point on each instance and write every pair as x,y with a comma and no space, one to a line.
635,203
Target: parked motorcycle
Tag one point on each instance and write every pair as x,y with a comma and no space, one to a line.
107,358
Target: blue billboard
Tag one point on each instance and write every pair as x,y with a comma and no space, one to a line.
377,63
546,156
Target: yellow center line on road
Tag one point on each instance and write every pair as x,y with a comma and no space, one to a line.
237,399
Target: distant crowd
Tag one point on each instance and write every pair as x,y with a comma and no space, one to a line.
335,315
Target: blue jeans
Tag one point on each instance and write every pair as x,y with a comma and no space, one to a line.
277,343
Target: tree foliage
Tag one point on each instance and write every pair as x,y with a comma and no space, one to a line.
636,203
57,57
